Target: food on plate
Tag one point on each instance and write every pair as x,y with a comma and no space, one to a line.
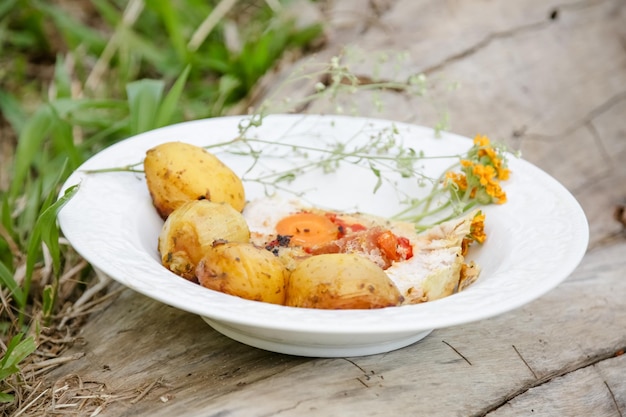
437,266
244,270
178,172
191,229
340,281
284,251
423,266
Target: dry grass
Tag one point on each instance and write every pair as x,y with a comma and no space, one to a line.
34,394
74,396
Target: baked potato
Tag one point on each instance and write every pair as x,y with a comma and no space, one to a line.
340,281
244,270
192,228
178,172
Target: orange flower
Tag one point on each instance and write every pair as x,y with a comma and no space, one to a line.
488,151
476,234
503,173
477,228
459,179
487,179
485,174
481,140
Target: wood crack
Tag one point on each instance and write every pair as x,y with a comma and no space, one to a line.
590,361
587,120
600,145
483,44
282,410
378,11
552,16
378,8
619,412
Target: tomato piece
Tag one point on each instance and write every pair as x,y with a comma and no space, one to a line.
387,242
405,247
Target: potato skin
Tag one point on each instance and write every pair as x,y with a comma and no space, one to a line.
244,270
191,230
340,281
178,172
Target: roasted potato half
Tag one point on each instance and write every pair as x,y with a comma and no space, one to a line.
191,230
244,270
340,281
178,172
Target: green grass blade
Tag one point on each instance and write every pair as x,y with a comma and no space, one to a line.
173,24
46,227
17,351
15,340
144,97
12,111
306,35
6,6
169,106
46,230
63,139
74,32
134,45
6,278
62,79
107,12
49,231
32,192
48,299
29,146
6,398
7,220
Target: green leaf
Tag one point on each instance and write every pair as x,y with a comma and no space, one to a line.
6,6
169,106
48,298
107,12
6,398
32,192
144,97
62,79
63,139
172,20
7,280
134,45
5,214
17,351
74,32
12,111
46,230
228,84
29,145
306,35
379,181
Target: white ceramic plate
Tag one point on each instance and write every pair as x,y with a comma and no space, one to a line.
535,240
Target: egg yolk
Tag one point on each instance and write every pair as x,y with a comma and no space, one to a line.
308,229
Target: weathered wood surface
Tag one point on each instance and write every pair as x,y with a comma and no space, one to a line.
549,78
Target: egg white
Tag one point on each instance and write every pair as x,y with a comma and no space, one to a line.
263,214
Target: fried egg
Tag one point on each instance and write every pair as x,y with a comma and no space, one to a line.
423,266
